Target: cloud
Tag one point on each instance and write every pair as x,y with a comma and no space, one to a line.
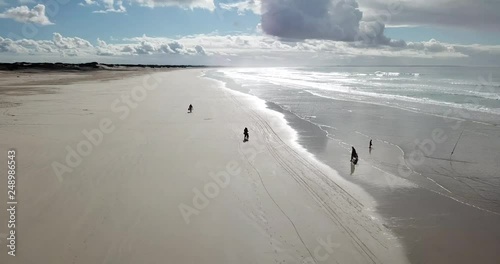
242,7
478,14
75,47
88,3
339,20
70,43
25,15
247,50
147,46
325,19
326,51
189,4
58,46
200,50
116,6
110,6
366,20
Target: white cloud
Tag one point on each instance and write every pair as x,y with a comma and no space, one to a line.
116,6
25,15
244,49
110,6
242,7
147,46
77,47
70,43
190,4
89,3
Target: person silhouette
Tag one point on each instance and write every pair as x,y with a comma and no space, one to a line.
354,156
245,133
371,144
190,108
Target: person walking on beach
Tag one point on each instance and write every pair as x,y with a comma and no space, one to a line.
370,144
190,108
354,156
245,133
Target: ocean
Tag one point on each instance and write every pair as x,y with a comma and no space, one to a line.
425,89
435,164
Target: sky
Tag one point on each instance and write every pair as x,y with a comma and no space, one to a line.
252,32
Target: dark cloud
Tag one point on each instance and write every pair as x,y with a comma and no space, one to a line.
366,20
306,19
339,20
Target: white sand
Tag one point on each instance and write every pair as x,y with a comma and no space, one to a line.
269,202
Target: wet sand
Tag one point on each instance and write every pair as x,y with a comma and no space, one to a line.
445,210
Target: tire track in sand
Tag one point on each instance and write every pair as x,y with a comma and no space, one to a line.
289,164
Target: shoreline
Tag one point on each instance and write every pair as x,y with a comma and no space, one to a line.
293,137
398,204
356,189
413,212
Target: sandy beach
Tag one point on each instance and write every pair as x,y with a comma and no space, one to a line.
116,171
